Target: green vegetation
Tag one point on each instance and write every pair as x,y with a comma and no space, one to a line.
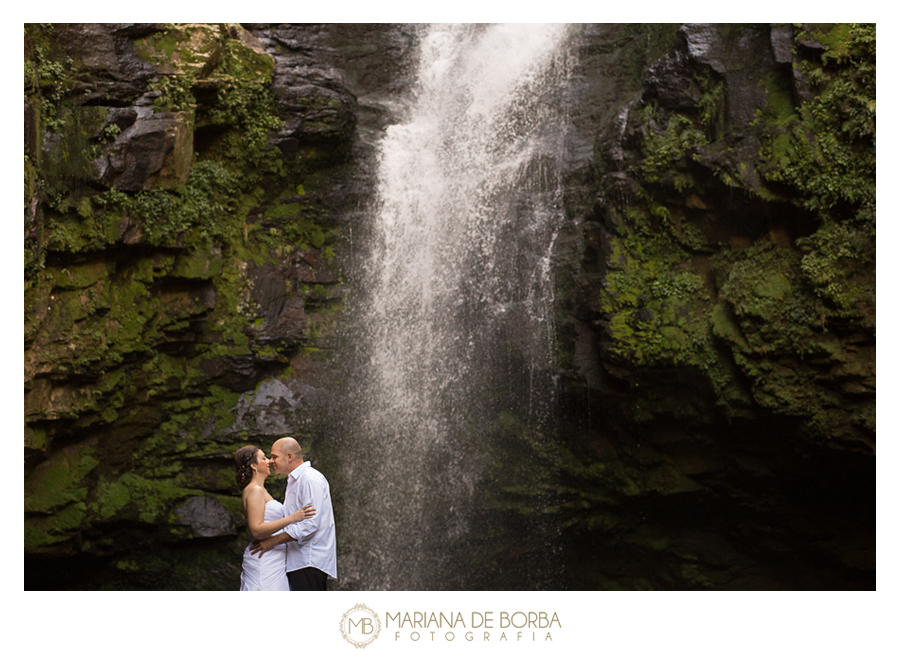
747,314
654,301
827,153
664,151
138,296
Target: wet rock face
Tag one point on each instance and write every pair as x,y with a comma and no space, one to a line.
333,79
715,384
103,49
370,62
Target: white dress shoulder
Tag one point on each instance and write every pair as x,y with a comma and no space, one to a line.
266,573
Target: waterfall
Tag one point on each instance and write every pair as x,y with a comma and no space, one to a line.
456,321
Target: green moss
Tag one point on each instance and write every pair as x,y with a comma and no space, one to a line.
772,305
838,38
326,117
78,277
765,292
110,498
654,301
711,105
111,322
184,48
160,43
284,210
242,62
828,151
46,534
59,481
135,497
777,327
69,155
221,188
36,439
839,263
297,223
664,150
48,73
197,265
780,110
724,325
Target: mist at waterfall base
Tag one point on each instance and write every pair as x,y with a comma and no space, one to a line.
449,394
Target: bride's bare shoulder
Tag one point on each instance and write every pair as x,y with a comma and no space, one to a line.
255,492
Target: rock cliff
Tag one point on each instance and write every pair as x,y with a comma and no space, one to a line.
721,319
184,193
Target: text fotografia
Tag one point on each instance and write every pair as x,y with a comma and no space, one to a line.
479,626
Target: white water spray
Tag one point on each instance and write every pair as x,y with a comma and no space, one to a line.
460,291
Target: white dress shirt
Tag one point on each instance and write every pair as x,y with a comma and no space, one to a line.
316,545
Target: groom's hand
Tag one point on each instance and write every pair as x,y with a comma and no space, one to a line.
263,545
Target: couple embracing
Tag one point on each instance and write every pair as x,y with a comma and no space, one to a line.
294,545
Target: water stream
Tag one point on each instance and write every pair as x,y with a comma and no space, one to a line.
455,324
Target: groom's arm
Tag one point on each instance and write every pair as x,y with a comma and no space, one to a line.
266,544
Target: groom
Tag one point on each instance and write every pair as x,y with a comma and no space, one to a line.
311,545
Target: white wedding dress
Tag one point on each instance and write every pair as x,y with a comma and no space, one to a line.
266,573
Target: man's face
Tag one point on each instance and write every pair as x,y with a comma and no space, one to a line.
278,459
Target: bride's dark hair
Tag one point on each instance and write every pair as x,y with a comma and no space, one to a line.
243,460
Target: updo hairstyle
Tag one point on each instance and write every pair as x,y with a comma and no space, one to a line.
244,459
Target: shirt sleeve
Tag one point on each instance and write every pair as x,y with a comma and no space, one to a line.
307,493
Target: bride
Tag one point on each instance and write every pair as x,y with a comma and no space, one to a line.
265,516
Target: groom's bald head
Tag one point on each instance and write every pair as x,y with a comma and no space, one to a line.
290,445
286,454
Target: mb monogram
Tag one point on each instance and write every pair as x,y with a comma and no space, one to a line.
360,626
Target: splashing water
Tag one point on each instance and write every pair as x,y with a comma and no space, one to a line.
457,318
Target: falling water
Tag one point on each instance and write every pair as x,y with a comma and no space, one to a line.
456,323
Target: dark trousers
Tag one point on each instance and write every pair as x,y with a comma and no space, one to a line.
308,579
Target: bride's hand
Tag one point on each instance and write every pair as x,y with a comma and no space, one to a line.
304,513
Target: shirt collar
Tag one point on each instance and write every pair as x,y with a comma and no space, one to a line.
296,472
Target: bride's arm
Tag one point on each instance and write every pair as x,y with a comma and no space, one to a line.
256,514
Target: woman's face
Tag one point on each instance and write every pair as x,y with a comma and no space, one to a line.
262,464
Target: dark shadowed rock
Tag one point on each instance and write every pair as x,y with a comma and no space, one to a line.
670,81
330,78
282,314
782,37
205,516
